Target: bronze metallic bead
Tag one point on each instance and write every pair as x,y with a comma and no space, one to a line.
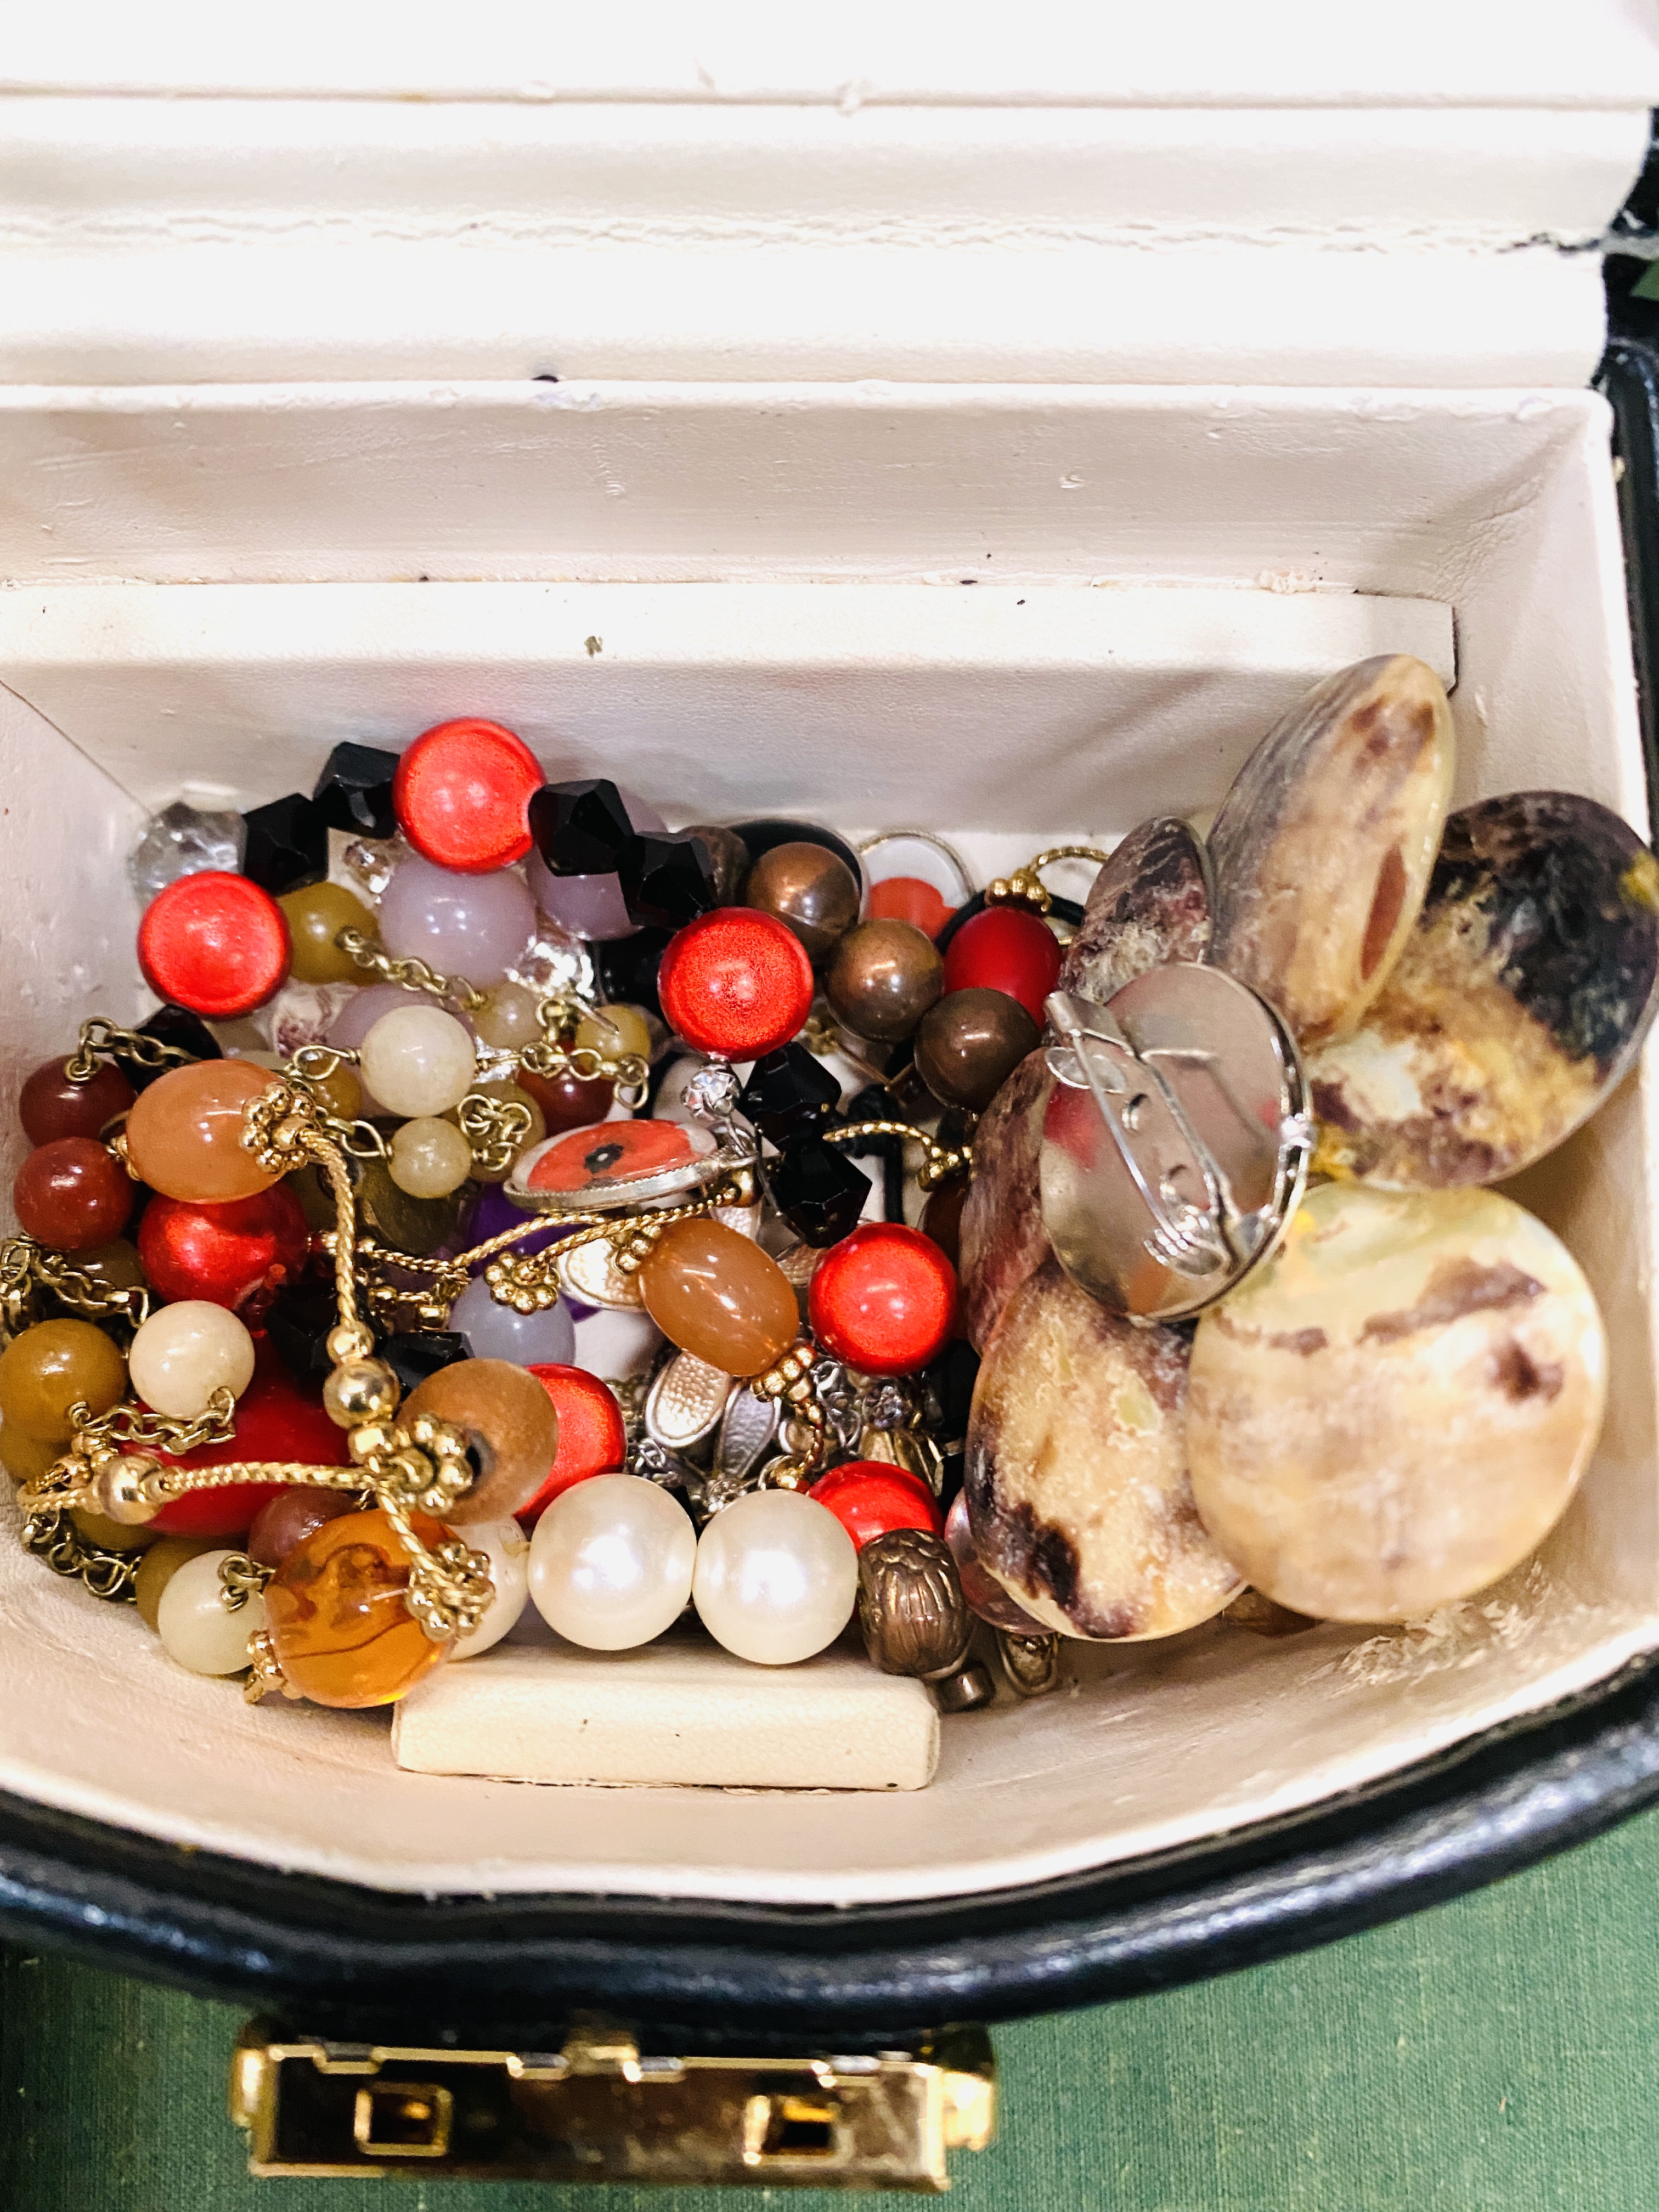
810,889
911,1609
970,1043
967,1691
728,856
883,977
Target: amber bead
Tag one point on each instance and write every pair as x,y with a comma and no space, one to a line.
970,1043
158,1566
26,1457
315,914
72,1194
184,1134
883,977
719,1296
51,1106
52,1366
510,1422
567,1101
335,1612
285,1522
810,889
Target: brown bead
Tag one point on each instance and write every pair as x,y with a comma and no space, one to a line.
284,1523
810,889
72,1194
158,1566
315,914
26,1459
111,1536
883,979
970,1043
51,1106
335,1608
341,1093
184,1134
116,1264
727,855
941,1216
509,1419
567,1102
714,1293
53,1366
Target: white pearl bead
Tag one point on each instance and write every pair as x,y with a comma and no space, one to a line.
508,1548
610,1562
429,1158
776,1577
418,1060
185,1353
193,1624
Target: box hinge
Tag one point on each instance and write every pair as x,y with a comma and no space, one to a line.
601,2110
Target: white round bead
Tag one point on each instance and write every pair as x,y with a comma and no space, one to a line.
429,1158
776,1577
185,1353
418,1060
508,1548
610,1562
193,1624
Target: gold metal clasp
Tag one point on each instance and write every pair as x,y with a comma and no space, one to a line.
601,2110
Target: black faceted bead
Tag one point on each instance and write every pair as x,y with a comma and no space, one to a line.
298,1324
875,1103
788,1092
760,836
817,1190
172,1025
625,968
287,844
667,879
354,792
581,828
414,1354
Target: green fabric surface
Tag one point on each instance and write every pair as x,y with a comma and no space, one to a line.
1496,2053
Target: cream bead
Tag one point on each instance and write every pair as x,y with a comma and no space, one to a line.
776,1577
418,1059
195,1629
429,1158
185,1353
508,1550
610,1562
508,1017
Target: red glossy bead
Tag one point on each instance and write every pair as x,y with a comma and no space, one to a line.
735,981
592,1437
51,1106
214,943
883,1299
868,1496
1007,949
462,795
71,1194
276,1420
236,1254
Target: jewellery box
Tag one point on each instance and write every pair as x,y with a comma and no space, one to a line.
900,431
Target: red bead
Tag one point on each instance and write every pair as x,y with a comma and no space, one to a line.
592,1437
238,1252
51,1106
883,1299
215,943
868,1496
462,796
567,1101
71,1194
1005,949
736,982
276,1420
284,1523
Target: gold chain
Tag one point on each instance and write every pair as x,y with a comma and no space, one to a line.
130,1424
99,1035
413,975
496,1128
627,1072
942,1160
1025,887
50,1535
26,1267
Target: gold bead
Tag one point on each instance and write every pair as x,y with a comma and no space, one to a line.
118,1484
348,1340
373,1440
361,1390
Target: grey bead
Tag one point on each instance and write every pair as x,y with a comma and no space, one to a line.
185,841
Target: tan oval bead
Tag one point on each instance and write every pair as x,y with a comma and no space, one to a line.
315,915
50,1367
508,1017
158,1566
719,1296
185,1133
511,1422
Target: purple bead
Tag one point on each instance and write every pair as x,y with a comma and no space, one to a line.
490,1213
496,1331
592,906
471,926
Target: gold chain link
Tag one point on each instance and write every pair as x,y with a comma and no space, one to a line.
1025,887
100,1036
51,1536
942,1160
413,975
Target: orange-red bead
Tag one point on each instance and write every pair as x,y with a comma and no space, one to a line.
336,1613
592,1438
215,943
72,1194
883,1299
462,793
869,1496
735,981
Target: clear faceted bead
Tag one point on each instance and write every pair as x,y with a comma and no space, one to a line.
185,841
370,862
557,960
712,1092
